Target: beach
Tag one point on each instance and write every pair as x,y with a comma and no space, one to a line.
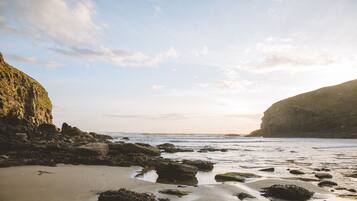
83,183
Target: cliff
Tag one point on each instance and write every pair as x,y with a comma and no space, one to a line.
329,112
22,99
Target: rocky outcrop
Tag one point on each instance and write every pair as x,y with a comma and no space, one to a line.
326,112
22,99
287,192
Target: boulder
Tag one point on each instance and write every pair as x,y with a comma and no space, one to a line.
130,148
267,170
125,195
327,184
171,148
323,175
235,176
296,172
211,149
97,148
69,130
176,173
200,164
243,196
287,192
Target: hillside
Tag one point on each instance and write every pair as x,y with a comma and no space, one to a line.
22,98
326,112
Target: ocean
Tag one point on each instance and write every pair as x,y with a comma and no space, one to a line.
252,154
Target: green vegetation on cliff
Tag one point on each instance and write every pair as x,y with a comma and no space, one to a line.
326,112
22,97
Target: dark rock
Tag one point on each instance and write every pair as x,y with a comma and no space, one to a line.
352,190
296,172
200,164
166,146
171,148
69,130
163,199
125,195
243,196
267,170
177,173
322,169
323,175
176,192
327,184
125,138
97,148
133,148
234,176
287,192
48,128
210,149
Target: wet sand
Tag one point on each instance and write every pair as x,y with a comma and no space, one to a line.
82,183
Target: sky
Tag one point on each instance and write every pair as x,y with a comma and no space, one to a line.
177,66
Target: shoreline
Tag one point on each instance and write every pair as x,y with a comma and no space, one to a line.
84,182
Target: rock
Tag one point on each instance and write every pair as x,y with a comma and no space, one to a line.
176,173
352,190
125,138
323,175
97,148
267,170
296,172
176,192
234,176
163,199
125,195
171,148
243,196
133,148
322,169
4,157
327,112
48,128
287,192
69,130
22,99
22,137
166,146
327,184
210,149
200,164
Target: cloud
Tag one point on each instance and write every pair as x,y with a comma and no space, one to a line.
118,57
157,87
55,20
167,116
33,60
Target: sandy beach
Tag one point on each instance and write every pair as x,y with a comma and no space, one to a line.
82,183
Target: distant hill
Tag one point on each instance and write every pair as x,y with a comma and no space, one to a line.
329,112
22,98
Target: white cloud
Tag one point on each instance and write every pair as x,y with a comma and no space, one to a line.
157,87
119,57
201,52
33,60
56,20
